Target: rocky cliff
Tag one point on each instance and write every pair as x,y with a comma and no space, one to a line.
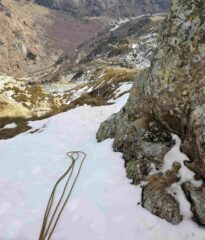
167,98
116,8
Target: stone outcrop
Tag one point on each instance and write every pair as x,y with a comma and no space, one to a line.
196,196
168,97
157,200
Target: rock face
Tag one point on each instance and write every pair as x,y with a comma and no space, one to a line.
196,196
114,8
176,82
157,200
169,97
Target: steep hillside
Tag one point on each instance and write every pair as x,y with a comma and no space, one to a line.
115,8
95,80
21,40
34,42
33,38
168,98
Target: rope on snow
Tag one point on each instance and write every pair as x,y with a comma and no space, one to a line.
48,226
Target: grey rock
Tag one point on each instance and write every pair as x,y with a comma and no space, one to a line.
157,200
108,128
138,170
162,204
196,196
168,97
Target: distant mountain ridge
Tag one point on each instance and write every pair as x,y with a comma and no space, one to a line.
111,8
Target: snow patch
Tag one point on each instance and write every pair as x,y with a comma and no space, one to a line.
10,126
175,155
186,175
103,205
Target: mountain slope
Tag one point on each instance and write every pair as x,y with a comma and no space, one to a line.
114,8
21,40
33,38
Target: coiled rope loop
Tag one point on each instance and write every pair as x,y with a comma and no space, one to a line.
48,226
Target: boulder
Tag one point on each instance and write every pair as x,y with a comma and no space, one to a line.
196,196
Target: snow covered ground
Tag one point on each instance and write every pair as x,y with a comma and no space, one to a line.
103,205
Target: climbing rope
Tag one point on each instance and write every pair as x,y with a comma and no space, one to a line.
48,226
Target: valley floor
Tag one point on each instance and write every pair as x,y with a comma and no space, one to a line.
103,206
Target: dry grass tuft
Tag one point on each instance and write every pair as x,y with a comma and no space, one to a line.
89,100
104,83
161,181
119,75
113,75
157,18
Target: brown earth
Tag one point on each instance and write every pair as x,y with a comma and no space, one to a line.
67,33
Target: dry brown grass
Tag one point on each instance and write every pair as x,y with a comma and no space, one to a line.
89,100
105,86
104,83
157,18
162,181
3,105
119,75
114,75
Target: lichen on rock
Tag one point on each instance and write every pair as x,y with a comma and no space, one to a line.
157,200
169,97
196,196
